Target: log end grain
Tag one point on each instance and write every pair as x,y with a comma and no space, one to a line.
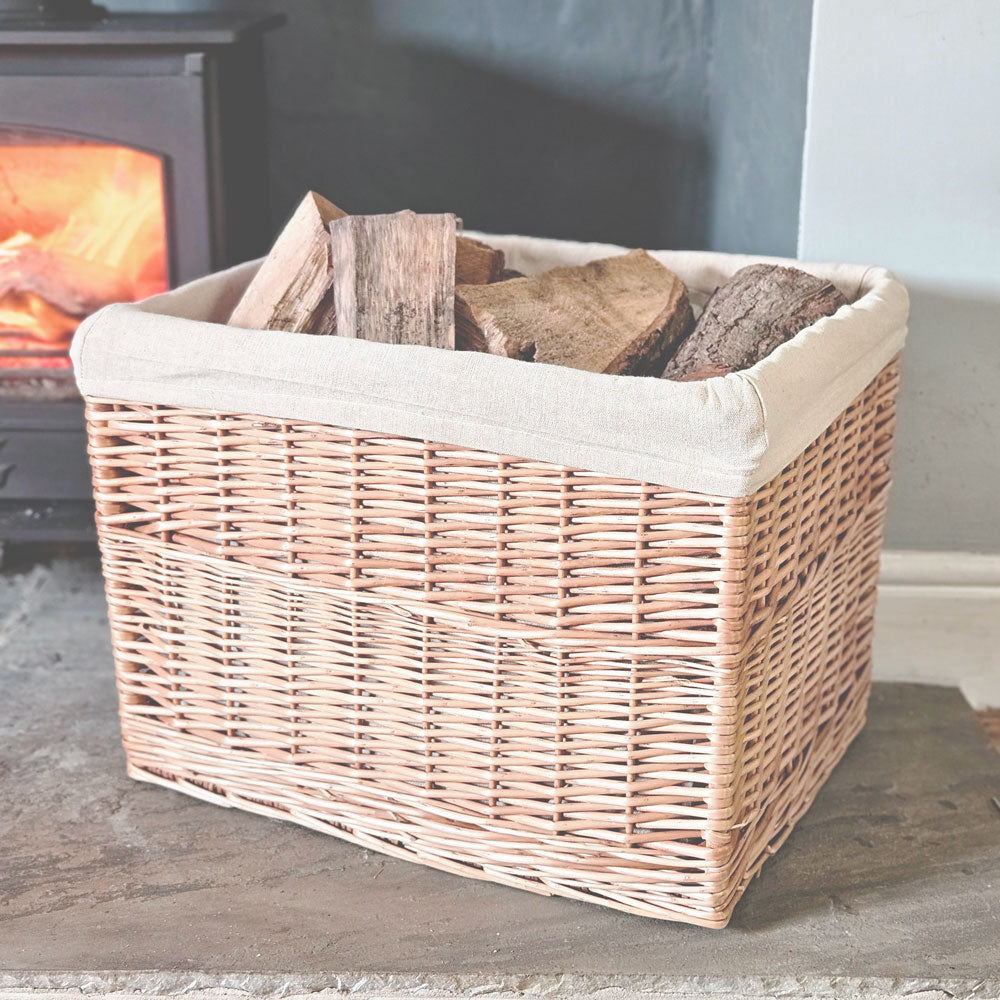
622,315
476,263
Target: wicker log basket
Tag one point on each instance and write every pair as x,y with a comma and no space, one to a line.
569,681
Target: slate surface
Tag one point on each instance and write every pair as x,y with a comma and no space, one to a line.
889,885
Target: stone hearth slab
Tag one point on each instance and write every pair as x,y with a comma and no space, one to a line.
890,885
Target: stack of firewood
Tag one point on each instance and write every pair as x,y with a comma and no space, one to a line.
414,279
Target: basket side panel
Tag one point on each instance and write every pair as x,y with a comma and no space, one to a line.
494,666
805,675
412,521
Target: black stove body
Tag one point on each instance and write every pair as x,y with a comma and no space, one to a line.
187,89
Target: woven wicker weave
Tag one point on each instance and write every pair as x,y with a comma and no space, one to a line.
503,668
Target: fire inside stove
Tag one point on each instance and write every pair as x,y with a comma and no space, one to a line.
82,224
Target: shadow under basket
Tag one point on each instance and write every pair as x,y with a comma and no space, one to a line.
513,670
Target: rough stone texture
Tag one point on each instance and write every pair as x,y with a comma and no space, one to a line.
890,885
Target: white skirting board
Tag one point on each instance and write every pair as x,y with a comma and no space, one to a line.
938,622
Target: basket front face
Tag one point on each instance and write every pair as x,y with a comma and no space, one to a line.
540,676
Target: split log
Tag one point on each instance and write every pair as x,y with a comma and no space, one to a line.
291,291
759,308
393,278
622,315
476,263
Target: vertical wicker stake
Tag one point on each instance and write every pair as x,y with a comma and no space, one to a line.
394,278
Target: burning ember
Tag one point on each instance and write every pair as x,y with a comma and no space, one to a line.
81,225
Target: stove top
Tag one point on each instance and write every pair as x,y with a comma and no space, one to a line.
167,30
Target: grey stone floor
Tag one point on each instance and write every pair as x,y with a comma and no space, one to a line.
889,886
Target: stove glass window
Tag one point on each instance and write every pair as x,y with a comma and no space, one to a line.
82,224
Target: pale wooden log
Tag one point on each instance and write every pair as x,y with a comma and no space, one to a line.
394,278
291,291
622,315
760,307
476,263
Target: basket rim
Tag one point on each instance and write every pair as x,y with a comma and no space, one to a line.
725,436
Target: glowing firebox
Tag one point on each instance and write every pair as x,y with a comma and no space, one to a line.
81,225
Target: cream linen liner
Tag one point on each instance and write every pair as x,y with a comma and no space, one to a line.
725,436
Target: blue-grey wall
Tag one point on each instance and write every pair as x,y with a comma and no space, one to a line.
757,80
657,123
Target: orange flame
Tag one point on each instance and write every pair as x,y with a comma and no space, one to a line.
80,226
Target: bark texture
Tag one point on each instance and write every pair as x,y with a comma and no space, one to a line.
758,309
708,371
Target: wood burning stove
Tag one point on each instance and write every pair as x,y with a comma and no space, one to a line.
131,160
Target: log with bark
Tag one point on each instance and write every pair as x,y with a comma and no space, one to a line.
759,308
622,315
291,290
407,278
393,278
